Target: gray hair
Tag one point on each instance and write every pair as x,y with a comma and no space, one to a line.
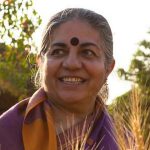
97,21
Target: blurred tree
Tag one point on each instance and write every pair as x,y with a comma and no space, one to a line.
18,21
139,74
139,70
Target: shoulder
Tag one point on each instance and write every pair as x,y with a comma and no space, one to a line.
11,124
14,114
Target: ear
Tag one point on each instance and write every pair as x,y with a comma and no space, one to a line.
110,67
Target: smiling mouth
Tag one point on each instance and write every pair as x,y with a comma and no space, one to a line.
72,80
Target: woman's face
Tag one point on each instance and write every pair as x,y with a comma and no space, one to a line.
74,66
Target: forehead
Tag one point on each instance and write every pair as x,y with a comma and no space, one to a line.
82,30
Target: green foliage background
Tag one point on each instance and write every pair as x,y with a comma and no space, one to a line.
139,74
18,22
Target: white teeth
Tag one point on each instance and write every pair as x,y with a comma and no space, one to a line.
72,79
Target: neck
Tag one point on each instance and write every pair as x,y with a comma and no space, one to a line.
67,116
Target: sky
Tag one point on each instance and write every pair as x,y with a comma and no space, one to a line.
129,21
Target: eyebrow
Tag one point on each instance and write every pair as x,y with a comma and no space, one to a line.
81,45
89,44
59,44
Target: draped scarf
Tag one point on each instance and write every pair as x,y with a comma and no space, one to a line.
38,131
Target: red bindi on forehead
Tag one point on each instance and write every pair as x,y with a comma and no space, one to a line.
74,41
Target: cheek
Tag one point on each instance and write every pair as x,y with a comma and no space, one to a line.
99,76
96,69
50,69
45,72
47,76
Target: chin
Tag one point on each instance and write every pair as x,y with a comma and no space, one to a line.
71,99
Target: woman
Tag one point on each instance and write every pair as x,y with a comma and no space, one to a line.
75,59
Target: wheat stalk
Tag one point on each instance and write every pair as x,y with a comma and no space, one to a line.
130,132
130,135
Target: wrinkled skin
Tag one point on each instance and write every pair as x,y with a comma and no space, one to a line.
73,74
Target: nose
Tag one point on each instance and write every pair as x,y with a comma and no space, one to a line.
72,61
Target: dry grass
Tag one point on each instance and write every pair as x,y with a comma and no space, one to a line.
75,138
132,127
131,132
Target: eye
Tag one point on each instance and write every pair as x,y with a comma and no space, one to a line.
88,53
57,52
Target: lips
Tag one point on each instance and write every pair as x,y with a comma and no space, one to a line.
72,80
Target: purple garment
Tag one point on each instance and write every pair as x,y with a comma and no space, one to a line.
11,130
103,134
